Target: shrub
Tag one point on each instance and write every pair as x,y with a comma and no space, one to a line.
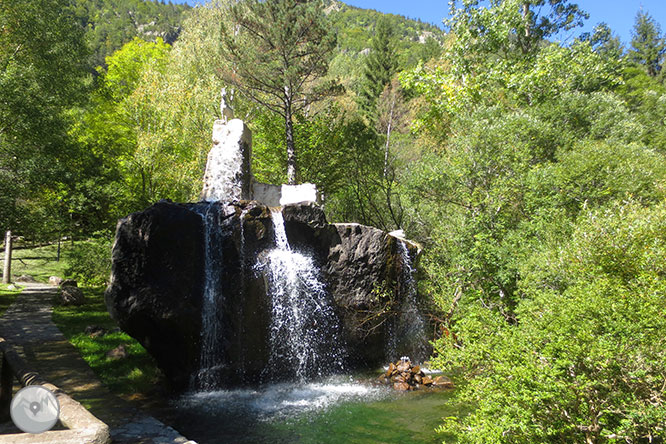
586,360
90,260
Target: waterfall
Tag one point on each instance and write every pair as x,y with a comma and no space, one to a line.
210,359
304,337
410,336
240,365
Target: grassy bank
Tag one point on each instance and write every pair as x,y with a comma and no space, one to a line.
132,376
41,262
6,297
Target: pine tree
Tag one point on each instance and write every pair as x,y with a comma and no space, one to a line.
605,42
647,45
380,66
276,52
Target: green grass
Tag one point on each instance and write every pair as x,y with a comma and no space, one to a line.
41,262
134,374
7,297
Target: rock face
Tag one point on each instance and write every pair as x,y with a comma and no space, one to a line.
156,292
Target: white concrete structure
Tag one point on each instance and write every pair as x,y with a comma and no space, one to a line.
266,193
292,194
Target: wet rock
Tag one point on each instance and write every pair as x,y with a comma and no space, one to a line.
117,353
156,285
403,366
401,386
442,382
404,376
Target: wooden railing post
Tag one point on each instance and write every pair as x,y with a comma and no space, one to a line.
6,386
7,271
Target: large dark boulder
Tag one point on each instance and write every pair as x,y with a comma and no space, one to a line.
157,285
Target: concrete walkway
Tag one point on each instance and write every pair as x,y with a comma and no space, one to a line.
27,325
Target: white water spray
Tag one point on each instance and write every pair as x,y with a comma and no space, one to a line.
304,336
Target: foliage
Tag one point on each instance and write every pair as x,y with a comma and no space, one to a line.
521,203
586,361
648,44
107,128
89,261
42,69
276,51
379,67
605,42
110,24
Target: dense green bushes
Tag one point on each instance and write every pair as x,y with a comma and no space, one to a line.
89,261
541,204
587,359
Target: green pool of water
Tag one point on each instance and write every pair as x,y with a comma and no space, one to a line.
328,412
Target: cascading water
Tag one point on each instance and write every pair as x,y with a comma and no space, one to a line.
409,337
304,337
211,359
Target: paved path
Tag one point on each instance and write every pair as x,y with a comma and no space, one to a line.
27,325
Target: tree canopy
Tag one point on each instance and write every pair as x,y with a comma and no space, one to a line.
276,50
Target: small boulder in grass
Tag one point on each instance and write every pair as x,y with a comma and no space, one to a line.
70,295
403,376
95,331
117,353
26,279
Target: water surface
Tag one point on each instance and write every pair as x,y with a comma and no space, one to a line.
332,411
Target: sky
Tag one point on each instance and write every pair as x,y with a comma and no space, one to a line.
618,14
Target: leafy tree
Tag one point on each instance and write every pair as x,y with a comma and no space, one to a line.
380,66
648,45
109,127
511,28
42,75
276,50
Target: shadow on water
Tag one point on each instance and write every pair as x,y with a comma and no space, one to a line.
333,411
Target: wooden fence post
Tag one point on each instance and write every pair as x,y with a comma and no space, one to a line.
7,271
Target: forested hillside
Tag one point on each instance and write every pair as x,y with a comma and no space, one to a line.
109,24
533,172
